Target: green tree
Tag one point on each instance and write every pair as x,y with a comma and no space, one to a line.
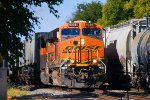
18,20
88,11
113,12
140,8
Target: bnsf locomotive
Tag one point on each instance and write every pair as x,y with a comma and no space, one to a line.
71,55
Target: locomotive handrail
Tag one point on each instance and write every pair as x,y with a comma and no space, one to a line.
102,63
52,61
65,61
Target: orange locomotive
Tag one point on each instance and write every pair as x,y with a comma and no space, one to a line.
72,55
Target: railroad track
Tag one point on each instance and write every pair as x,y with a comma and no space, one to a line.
120,95
50,93
97,94
114,94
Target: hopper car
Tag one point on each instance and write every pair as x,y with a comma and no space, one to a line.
128,53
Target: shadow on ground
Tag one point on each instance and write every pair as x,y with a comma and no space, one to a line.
82,96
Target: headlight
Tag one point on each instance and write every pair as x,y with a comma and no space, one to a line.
94,61
82,42
72,61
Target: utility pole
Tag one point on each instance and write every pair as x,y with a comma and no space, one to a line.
3,80
127,78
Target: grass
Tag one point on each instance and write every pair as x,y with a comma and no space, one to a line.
12,91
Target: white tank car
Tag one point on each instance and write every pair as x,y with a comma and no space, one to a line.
127,48
30,62
29,50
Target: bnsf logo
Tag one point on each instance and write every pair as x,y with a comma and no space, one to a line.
69,49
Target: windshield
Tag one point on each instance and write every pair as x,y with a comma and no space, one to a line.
68,33
92,32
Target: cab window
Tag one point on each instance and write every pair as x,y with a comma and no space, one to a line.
92,32
69,33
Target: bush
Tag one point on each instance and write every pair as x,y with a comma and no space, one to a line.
13,91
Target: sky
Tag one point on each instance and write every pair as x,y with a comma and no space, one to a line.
49,22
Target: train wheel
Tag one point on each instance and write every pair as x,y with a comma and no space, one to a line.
56,77
44,78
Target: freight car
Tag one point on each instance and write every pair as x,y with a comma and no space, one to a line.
71,55
128,53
